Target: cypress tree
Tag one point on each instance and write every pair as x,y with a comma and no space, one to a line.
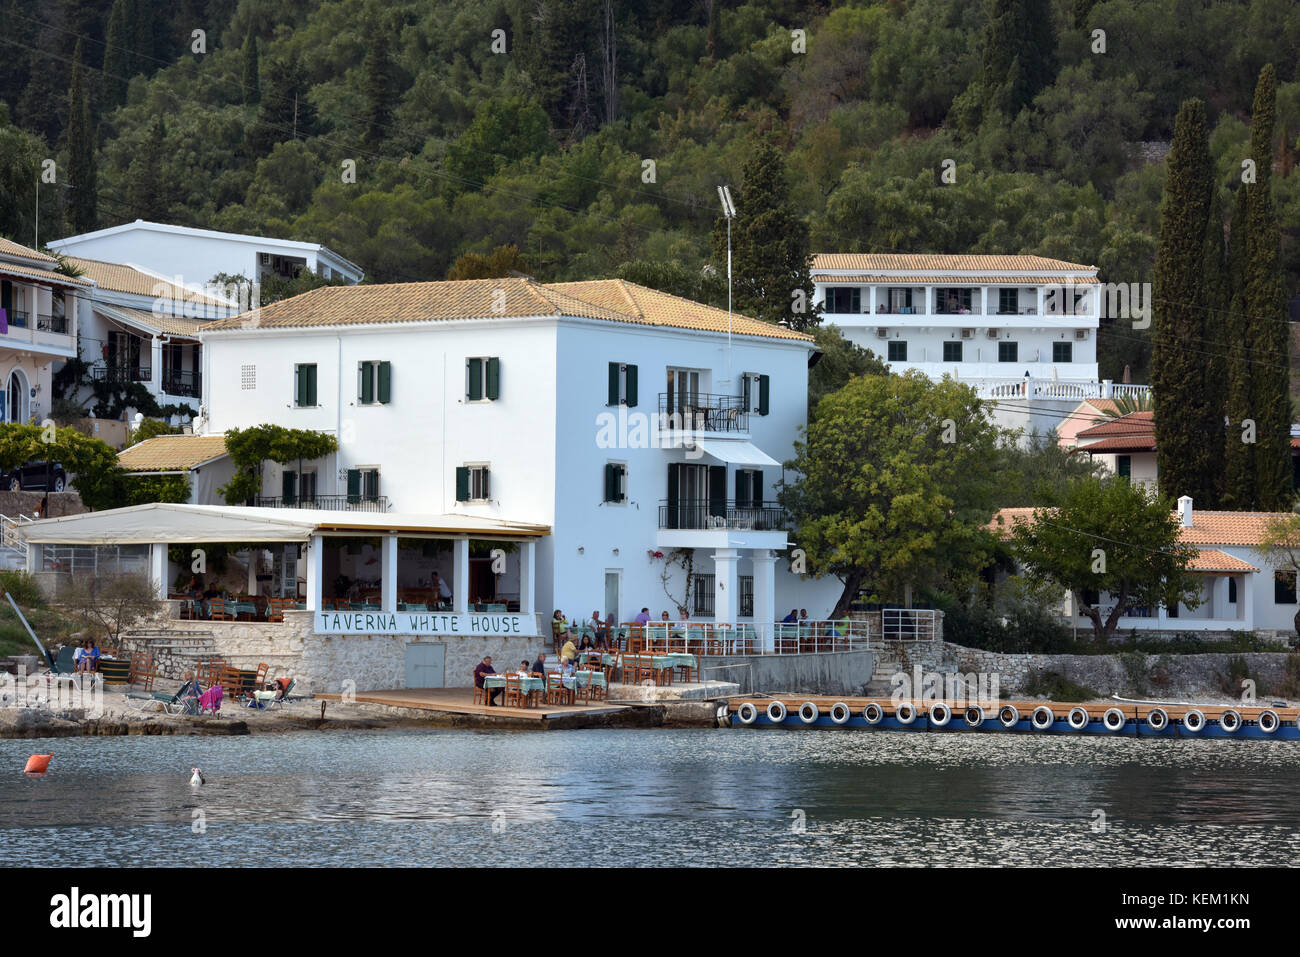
379,86
1214,345
145,47
149,192
115,57
81,153
769,244
250,79
1239,457
1184,415
1266,312
1019,53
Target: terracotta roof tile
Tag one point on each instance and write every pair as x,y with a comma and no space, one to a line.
119,277
10,248
42,275
613,300
1135,423
868,262
172,453
943,280
168,325
1208,527
1120,443
1213,560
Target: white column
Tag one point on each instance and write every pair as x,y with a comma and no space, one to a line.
315,571
1219,607
765,597
527,577
726,585
388,574
1039,292
460,576
158,569
871,300
155,372
252,555
1246,596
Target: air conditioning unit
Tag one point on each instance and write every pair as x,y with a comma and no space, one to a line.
993,333
1081,333
882,333
968,333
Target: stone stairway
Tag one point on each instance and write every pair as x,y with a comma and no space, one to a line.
881,684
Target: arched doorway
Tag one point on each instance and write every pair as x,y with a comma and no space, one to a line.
16,398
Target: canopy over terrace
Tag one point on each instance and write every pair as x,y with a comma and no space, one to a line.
158,525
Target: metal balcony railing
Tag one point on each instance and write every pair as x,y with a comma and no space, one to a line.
704,514
702,412
122,373
57,324
19,318
344,503
178,382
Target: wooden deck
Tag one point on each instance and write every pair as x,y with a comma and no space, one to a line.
461,701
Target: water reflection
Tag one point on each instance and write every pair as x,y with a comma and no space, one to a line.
651,798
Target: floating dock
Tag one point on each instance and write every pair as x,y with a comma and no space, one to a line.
1124,719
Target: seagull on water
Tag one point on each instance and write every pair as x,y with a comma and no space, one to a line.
197,777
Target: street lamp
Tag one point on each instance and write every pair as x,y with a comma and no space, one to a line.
728,211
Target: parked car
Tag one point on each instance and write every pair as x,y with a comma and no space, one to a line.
36,477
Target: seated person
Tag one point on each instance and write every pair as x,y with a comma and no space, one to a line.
644,617
482,669
567,669
441,593
601,644
275,690
569,651
791,618
539,666
586,644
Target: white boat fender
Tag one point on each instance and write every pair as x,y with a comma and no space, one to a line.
1042,718
1157,719
840,712
1113,719
1077,718
1194,721
1268,721
974,716
776,712
1230,721
1009,715
747,713
940,714
872,713
905,712
809,712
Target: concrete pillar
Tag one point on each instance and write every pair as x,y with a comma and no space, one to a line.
871,300
726,585
158,569
251,556
527,577
1219,607
765,597
460,576
388,573
155,371
1246,598
315,571
1040,292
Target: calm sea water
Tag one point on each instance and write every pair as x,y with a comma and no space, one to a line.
647,798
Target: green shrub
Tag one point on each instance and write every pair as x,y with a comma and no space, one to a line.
1057,687
23,587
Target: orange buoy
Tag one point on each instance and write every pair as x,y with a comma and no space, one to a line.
38,764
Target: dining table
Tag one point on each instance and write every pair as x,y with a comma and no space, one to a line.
526,685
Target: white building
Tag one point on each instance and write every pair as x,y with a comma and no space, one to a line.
38,326
1241,589
139,326
194,256
1126,446
627,420
1021,330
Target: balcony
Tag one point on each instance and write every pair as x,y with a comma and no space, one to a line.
178,382
718,514
19,318
1029,387
702,412
116,373
57,324
337,503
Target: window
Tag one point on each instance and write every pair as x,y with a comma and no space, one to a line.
304,385
749,488
702,596
1232,591
292,492
757,389
953,301
363,485
1284,588
374,383
615,482
952,351
622,384
842,299
1172,611
248,377
898,351
472,483
483,379
1124,466
900,299
1009,302
746,585
1062,351
1008,351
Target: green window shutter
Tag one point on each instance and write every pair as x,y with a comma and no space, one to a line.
718,490
494,379
462,483
385,382
613,383
631,385
475,379
756,488
672,496
742,487
367,383
611,482
311,385
288,486
487,486
370,486
745,381
299,386
354,486
764,388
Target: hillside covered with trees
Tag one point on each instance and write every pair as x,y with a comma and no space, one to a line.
591,134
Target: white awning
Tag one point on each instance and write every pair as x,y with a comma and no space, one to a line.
736,453
160,522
